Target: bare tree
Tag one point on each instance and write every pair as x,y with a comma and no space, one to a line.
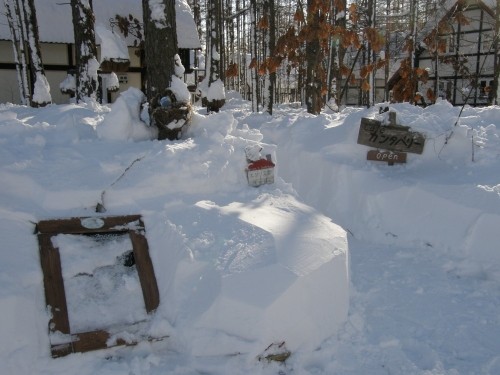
160,45
40,88
168,98
271,63
254,65
216,93
85,50
34,87
314,54
496,78
14,21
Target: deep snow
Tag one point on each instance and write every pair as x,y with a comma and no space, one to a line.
240,267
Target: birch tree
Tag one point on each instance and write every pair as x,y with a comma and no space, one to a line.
34,87
85,50
40,88
14,22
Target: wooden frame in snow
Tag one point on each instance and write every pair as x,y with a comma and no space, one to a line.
55,296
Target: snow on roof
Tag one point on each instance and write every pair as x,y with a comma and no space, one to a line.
56,26
260,164
445,8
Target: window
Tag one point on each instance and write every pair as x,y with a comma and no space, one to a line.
486,42
452,47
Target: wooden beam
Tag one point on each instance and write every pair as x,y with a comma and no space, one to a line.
145,270
55,295
76,225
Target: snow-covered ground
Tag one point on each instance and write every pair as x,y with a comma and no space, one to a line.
360,267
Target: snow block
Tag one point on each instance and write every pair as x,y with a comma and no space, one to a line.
300,296
482,247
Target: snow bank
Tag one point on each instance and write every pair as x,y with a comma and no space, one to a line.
284,298
123,122
431,201
237,267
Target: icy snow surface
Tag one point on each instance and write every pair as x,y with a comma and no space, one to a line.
239,268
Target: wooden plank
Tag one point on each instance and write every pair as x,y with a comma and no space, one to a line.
95,340
55,297
145,270
390,137
54,284
76,225
86,342
390,157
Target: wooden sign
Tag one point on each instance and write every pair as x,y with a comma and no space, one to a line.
390,137
388,156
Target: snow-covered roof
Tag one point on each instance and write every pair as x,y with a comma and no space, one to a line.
447,7
56,26
260,164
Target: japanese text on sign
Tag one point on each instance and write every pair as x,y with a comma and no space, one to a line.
390,137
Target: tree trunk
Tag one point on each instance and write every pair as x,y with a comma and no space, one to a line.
85,50
496,83
387,52
18,43
314,100
216,94
270,41
160,47
40,89
342,23
254,57
413,28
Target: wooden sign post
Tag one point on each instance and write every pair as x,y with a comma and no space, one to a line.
388,156
395,140
390,137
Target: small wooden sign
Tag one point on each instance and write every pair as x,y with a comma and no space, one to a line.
390,137
387,156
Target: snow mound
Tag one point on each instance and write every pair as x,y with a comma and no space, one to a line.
300,297
237,267
123,122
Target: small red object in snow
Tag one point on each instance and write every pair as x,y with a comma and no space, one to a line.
260,172
260,164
